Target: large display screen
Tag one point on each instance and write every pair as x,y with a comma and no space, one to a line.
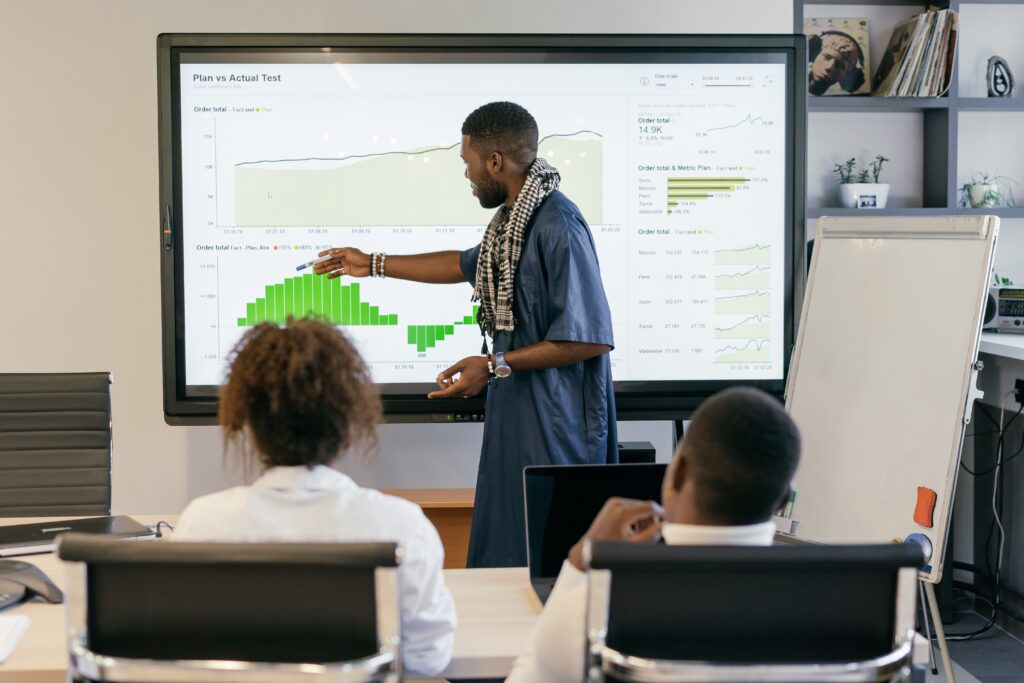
682,158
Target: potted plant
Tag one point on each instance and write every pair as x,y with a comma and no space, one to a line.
865,192
986,191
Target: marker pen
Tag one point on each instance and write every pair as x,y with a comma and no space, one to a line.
310,264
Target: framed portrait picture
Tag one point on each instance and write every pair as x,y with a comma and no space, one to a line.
837,53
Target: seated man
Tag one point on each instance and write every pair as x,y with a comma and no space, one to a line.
299,398
732,472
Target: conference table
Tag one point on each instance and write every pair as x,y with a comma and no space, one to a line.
496,609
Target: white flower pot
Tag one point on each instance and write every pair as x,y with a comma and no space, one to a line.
977,194
864,195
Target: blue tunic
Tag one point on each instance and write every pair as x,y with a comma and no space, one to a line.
559,416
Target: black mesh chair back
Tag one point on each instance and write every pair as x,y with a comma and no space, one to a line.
55,440
148,607
780,605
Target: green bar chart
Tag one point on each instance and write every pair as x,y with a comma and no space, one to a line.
425,337
315,296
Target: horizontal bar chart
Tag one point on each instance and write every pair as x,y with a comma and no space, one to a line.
692,189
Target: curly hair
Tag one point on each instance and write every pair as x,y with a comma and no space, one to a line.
503,127
300,394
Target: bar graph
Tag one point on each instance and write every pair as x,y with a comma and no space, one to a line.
700,188
314,296
425,337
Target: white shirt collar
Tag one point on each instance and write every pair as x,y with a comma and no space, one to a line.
302,478
692,534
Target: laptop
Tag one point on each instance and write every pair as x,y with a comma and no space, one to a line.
28,539
562,501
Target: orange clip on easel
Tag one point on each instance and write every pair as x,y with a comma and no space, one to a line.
924,511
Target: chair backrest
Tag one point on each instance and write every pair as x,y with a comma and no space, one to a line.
246,602
743,605
54,444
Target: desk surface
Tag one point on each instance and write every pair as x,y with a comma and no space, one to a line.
496,610
440,499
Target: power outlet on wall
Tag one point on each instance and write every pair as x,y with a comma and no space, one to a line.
1018,391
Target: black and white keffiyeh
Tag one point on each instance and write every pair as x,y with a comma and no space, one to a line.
501,246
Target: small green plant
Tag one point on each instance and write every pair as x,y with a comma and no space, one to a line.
876,166
846,170
998,191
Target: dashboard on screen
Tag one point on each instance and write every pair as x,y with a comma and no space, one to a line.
684,155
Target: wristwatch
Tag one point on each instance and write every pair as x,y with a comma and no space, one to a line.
501,366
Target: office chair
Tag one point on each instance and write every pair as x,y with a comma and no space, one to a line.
785,613
164,611
54,444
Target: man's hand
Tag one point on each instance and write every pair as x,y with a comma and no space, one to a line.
472,378
621,519
344,261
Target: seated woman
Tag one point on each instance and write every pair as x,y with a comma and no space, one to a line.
297,398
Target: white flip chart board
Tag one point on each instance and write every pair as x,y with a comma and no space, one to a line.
883,376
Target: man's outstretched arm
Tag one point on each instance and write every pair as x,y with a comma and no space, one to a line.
439,267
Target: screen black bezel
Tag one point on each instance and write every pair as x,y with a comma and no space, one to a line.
635,400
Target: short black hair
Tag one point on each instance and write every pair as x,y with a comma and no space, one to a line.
742,449
503,127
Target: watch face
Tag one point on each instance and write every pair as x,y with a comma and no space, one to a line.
502,371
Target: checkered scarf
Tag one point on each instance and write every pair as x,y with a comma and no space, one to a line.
502,245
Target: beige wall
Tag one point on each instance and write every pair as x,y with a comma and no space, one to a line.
78,201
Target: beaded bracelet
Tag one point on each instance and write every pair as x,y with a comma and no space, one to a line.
377,264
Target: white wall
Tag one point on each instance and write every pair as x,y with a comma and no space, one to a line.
78,202
979,40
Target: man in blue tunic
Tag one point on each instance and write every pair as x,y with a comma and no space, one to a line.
548,376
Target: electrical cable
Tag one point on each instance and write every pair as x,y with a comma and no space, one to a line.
967,567
997,522
984,411
991,431
156,528
999,444
1002,607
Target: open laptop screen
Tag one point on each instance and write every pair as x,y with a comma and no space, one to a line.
562,501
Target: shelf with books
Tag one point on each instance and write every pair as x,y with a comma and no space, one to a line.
815,212
954,135
990,104
1002,212
883,104
819,211
883,3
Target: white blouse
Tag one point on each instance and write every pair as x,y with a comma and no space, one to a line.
322,505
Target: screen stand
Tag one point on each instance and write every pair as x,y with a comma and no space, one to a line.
677,433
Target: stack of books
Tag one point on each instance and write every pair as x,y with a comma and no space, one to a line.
919,59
